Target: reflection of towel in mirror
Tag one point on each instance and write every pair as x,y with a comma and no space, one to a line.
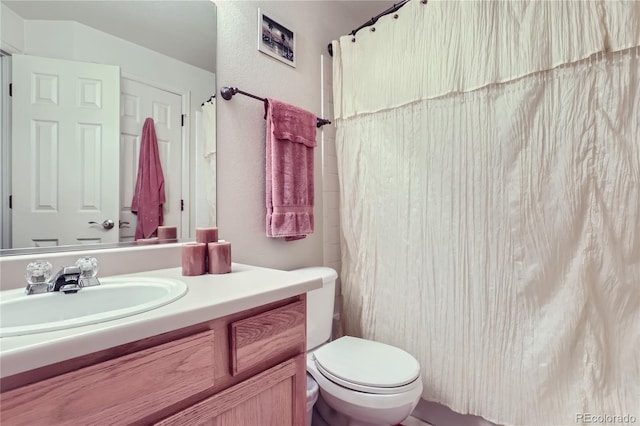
149,194
291,137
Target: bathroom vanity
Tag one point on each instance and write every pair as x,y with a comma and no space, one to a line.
229,352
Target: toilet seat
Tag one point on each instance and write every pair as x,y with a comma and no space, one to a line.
367,366
366,389
350,401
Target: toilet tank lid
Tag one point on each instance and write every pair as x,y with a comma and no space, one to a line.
314,272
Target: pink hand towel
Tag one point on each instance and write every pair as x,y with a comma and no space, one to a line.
149,194
291,137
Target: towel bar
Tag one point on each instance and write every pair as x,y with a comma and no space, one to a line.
228,92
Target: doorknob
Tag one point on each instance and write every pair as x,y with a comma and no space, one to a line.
107,224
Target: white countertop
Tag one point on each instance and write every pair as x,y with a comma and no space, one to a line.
209,297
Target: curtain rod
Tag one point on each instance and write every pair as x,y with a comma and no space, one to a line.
373,20
228,92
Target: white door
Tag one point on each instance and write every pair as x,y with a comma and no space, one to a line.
65,152
139,101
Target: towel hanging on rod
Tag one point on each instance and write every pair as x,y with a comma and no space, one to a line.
228,92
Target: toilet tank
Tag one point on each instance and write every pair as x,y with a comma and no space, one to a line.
319,305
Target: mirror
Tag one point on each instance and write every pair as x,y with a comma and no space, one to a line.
85,75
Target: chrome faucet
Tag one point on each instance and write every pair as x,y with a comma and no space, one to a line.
69,279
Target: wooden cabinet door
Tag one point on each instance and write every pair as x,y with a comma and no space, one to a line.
116,392
275,397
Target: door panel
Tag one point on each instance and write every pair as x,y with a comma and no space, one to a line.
275,397
64,150
139,101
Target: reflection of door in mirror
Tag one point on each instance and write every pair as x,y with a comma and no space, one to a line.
139,101
168,46
65,137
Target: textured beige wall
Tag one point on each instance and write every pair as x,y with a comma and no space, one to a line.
241,127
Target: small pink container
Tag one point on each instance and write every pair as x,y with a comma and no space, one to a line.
219,257
194,259
167,232
207,235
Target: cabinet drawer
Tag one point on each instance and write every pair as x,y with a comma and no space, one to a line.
119,391
268,337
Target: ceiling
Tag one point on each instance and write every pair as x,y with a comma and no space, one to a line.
184,23
181,23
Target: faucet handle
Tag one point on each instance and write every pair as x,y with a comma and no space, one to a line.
38,272
37,275
88,267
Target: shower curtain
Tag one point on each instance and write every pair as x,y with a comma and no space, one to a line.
489,165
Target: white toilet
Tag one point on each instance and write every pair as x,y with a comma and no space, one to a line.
368,383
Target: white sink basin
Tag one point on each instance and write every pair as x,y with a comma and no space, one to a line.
113,298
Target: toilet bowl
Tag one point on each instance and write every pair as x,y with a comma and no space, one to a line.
368,383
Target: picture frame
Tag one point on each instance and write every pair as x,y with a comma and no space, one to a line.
276,40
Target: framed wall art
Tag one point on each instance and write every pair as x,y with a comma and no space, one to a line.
276,40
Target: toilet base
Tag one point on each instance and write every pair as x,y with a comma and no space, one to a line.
351,408
325,415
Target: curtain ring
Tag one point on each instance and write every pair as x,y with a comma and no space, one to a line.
395,16
423,1
373,29
353,40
